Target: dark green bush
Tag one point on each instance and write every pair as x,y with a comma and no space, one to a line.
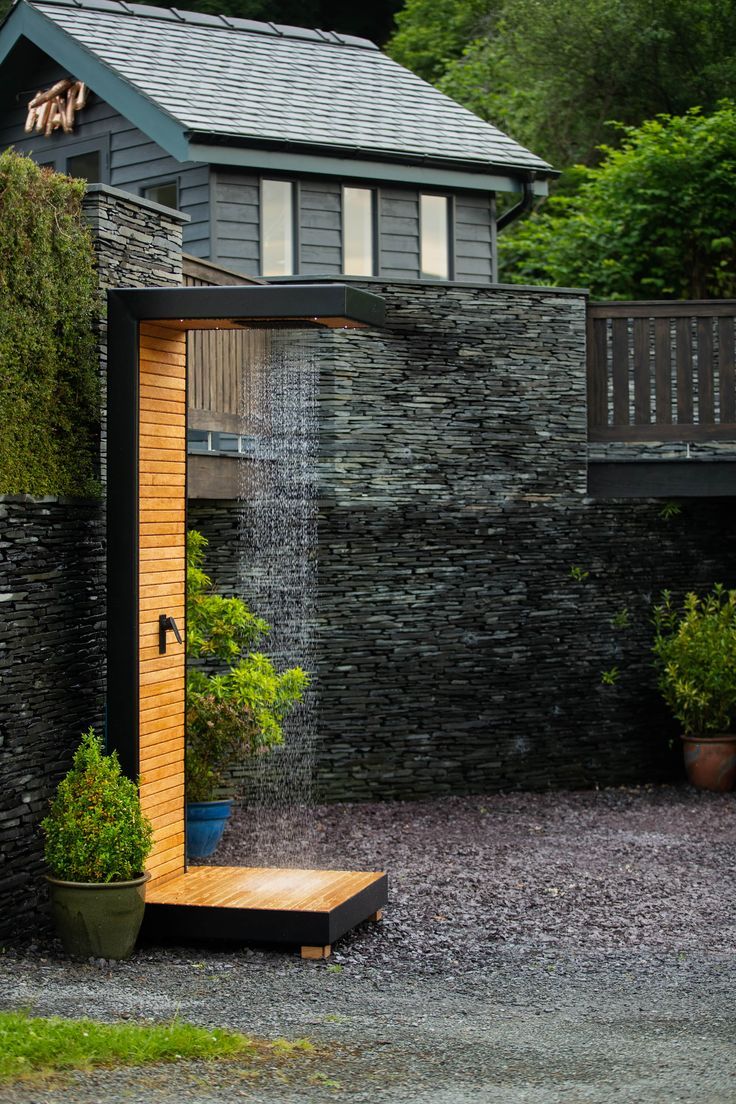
95,831
49,395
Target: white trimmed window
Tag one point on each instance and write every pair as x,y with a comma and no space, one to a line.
434,237
277,228
358,232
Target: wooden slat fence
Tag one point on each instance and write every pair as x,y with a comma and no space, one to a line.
661,371
222,363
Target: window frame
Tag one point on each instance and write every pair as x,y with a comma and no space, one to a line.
295,220
450,208
58,157
375,240
159,183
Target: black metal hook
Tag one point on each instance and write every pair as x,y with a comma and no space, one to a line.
166,624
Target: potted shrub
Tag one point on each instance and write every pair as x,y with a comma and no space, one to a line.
97,843
695,655
235,712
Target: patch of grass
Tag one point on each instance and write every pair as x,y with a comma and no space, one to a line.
39,1046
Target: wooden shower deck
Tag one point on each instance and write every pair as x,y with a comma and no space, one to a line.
305,908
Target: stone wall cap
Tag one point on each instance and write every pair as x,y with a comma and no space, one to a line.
50,500
390,281
136,201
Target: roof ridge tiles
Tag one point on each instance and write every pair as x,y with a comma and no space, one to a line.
203,19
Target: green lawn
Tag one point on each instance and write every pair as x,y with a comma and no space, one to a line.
34,1045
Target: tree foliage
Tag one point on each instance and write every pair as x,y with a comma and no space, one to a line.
656,219
95,831
554,74
238,712
49,400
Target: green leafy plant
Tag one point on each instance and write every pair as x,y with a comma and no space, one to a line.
695,656
670,510
578,574
611,676
96,831
621,619
238,712
656,219
49,394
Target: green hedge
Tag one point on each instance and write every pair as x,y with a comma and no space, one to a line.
49,393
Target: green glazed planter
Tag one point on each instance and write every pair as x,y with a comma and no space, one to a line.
98,919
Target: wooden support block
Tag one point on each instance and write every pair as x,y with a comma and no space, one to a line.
317,952
376,916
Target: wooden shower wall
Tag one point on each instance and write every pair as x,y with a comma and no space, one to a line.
162,563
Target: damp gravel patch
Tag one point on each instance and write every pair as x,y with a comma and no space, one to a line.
537,948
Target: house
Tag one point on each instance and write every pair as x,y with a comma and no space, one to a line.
292,151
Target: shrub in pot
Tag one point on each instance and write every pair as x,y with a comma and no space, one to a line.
235,712
97,843
695,656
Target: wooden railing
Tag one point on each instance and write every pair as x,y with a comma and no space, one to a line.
661,371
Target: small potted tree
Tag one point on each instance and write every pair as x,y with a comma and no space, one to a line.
235,712
97,843
695,655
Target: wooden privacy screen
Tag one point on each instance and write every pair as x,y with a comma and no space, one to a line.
162,577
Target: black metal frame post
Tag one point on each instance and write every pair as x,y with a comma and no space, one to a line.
295,305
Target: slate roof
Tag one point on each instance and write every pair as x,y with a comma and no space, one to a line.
238,81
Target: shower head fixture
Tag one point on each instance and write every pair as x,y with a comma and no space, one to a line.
254,306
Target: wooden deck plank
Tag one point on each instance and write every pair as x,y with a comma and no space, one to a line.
264,888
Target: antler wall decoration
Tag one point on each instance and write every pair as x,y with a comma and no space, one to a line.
56,107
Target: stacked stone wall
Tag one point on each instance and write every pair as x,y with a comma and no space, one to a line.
471,595
52,656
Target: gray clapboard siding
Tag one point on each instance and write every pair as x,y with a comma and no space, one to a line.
130,160
236,221
320,228
473,237
399,233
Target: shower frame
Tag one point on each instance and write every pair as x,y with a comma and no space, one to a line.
146,587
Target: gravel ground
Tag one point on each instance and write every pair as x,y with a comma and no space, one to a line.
574,947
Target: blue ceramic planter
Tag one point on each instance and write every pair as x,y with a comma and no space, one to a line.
206,822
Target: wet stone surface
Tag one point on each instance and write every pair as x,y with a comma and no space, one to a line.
537,948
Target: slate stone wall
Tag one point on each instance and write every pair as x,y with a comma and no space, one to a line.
52,639
52,591
457,649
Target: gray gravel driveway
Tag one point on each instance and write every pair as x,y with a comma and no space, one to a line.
573,947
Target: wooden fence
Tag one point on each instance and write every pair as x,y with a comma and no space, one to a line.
661,371
222,363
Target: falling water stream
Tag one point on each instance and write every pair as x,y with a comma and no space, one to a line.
277,574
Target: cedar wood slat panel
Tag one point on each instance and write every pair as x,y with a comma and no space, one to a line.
162,476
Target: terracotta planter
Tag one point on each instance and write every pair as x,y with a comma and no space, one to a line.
98,919
710,761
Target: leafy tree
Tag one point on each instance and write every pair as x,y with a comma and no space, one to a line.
656,219
553,74
430,34
242,710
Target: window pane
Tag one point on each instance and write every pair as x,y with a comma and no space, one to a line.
357,231
435,259
85,166
165,194
277,225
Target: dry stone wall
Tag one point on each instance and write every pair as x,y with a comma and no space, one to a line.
471,596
